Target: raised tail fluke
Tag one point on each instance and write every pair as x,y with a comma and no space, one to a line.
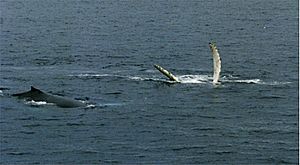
166,73
216,61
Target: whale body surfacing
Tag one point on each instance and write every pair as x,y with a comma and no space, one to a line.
216,61
38,95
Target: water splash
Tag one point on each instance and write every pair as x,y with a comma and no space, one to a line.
188,79
249,81
194,79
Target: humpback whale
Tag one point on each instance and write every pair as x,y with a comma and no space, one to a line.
216,66
38,95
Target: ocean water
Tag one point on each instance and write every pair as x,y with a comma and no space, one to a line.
102,52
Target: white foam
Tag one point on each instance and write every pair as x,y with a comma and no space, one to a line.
82,101
275,83
253,81
136,78
250,81
91,106
229,76
113,104
104,75
92,75
38,103
194,79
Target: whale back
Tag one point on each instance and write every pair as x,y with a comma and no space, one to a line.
38,95
63,102
33,94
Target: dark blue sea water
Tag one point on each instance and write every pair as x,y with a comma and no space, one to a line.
102,52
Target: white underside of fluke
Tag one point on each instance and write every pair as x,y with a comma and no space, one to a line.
216,63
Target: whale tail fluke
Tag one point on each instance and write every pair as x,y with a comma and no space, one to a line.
216,63
166,73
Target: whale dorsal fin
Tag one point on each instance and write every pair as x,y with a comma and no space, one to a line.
216,61
33,89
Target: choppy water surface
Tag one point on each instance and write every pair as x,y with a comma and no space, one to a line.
102,52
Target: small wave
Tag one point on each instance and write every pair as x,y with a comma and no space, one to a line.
75,124
32,125
137,78
275,83
19,153
229,79
26,118
110,104
187,147
203,129
27,132
102,105
92,75
222,152
88,151
87,75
